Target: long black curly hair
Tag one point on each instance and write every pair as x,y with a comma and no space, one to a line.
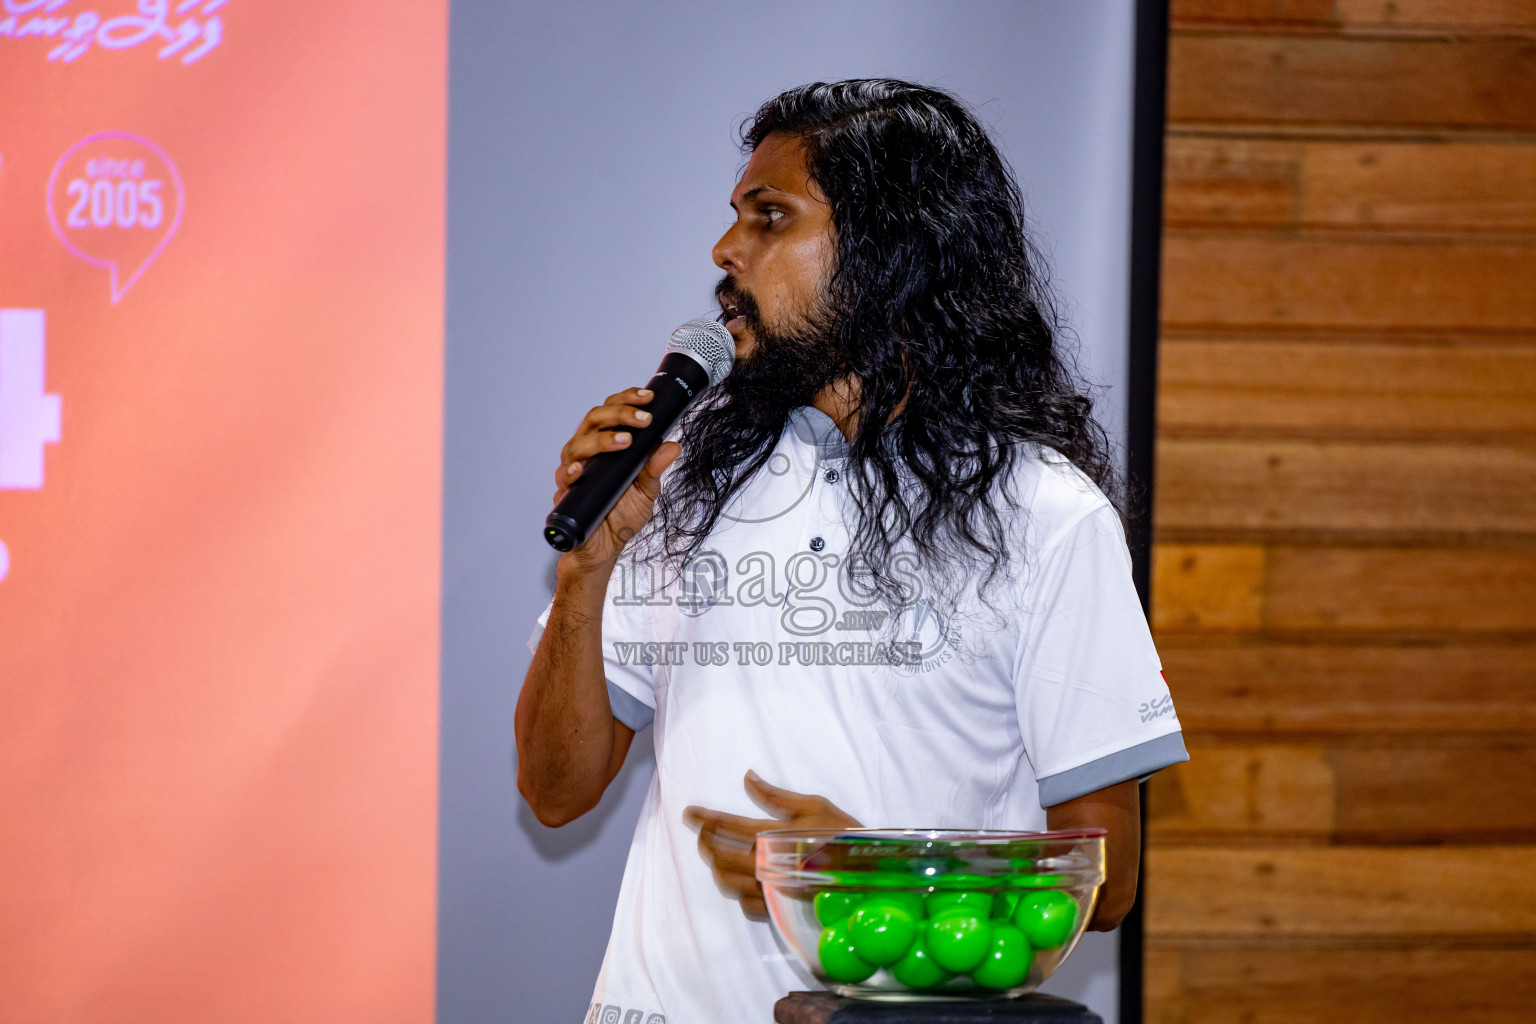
941,309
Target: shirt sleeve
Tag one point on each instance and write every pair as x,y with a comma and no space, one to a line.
1093,706
626,627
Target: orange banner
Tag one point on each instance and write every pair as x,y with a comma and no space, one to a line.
221,309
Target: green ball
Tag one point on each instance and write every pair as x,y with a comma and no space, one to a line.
911,900
977,902
960,880
1027,881
879,879
832,907
959,939
887,879
1003,904
1046,918
918,968
1007,961
838,958
882,930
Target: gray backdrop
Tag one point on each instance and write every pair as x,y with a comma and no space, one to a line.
591,157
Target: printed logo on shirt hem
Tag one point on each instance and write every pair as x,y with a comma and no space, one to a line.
1156,708
615,1014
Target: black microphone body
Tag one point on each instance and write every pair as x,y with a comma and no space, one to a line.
679,380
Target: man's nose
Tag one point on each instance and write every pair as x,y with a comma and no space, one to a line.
727,252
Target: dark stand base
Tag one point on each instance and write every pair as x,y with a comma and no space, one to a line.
826,1008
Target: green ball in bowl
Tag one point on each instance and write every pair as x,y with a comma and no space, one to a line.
960,880
839,959
880,879
1046,918
978,902
1007,960
917,969
959,939
832,907
882,929
911,900
1033,881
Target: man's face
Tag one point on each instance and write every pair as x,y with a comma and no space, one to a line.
780,252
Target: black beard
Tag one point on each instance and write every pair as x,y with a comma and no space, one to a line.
785,369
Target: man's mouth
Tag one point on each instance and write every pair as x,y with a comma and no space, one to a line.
731,315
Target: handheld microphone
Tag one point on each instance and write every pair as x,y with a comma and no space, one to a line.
699,356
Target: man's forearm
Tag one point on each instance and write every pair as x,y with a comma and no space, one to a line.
564,726
1118,810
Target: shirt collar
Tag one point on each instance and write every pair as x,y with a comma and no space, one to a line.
813,427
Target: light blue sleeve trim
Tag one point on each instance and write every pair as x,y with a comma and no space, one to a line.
1140,762
626,707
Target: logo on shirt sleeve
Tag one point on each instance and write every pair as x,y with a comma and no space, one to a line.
1156,708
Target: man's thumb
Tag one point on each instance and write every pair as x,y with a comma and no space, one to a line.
781,802
649,480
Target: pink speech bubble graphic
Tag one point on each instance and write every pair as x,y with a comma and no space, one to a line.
115,200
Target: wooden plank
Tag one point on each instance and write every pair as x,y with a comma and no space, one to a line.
1287,589
1207,387
1461,15
1465,186
1238,279
1350,486
1460,186
1197,13
1299,690
1207,586
1243,790
1479,790
1340,891
1162,981
1401,589
1348,986
1428,790
1432,15
1221,181
1487,83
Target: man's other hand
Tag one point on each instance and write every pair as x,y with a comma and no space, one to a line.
728,841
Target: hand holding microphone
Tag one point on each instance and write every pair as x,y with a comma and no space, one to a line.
606,486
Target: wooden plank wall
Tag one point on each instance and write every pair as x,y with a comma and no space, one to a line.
1345,569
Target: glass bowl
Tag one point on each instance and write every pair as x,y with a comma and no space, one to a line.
930,913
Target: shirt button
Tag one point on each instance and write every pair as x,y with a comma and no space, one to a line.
817,543
831,476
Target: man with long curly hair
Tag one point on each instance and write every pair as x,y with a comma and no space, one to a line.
880,573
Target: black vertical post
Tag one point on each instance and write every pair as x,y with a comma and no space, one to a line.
1149,114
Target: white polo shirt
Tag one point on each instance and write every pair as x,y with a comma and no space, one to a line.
761,657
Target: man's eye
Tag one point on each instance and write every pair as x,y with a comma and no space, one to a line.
773,215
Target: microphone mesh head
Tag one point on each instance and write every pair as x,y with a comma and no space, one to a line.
710,345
